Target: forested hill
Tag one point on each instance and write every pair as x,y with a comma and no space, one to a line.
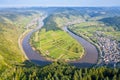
59,71
49,23
112,21
61,17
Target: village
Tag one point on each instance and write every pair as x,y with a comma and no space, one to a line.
110,49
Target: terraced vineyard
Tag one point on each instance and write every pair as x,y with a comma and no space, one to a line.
58,45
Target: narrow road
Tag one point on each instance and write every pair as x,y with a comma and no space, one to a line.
88,60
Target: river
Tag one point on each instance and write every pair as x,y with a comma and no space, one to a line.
31,54
88,60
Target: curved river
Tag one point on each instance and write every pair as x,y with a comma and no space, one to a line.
91,54
88,60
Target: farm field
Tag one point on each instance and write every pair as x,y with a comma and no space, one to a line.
57,45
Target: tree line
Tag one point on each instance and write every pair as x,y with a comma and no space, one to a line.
60,71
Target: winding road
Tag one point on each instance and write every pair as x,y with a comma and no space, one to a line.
88,60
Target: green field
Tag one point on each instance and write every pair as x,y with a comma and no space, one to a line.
88,29
57,45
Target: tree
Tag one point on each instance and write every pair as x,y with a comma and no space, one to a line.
114,77
76,76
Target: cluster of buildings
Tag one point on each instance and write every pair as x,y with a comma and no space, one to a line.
32,23
110,49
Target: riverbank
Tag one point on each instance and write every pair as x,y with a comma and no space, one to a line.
33,55
20,39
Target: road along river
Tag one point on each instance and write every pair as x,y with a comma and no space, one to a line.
88,60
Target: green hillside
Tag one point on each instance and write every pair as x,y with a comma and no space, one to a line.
112,21
12,25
